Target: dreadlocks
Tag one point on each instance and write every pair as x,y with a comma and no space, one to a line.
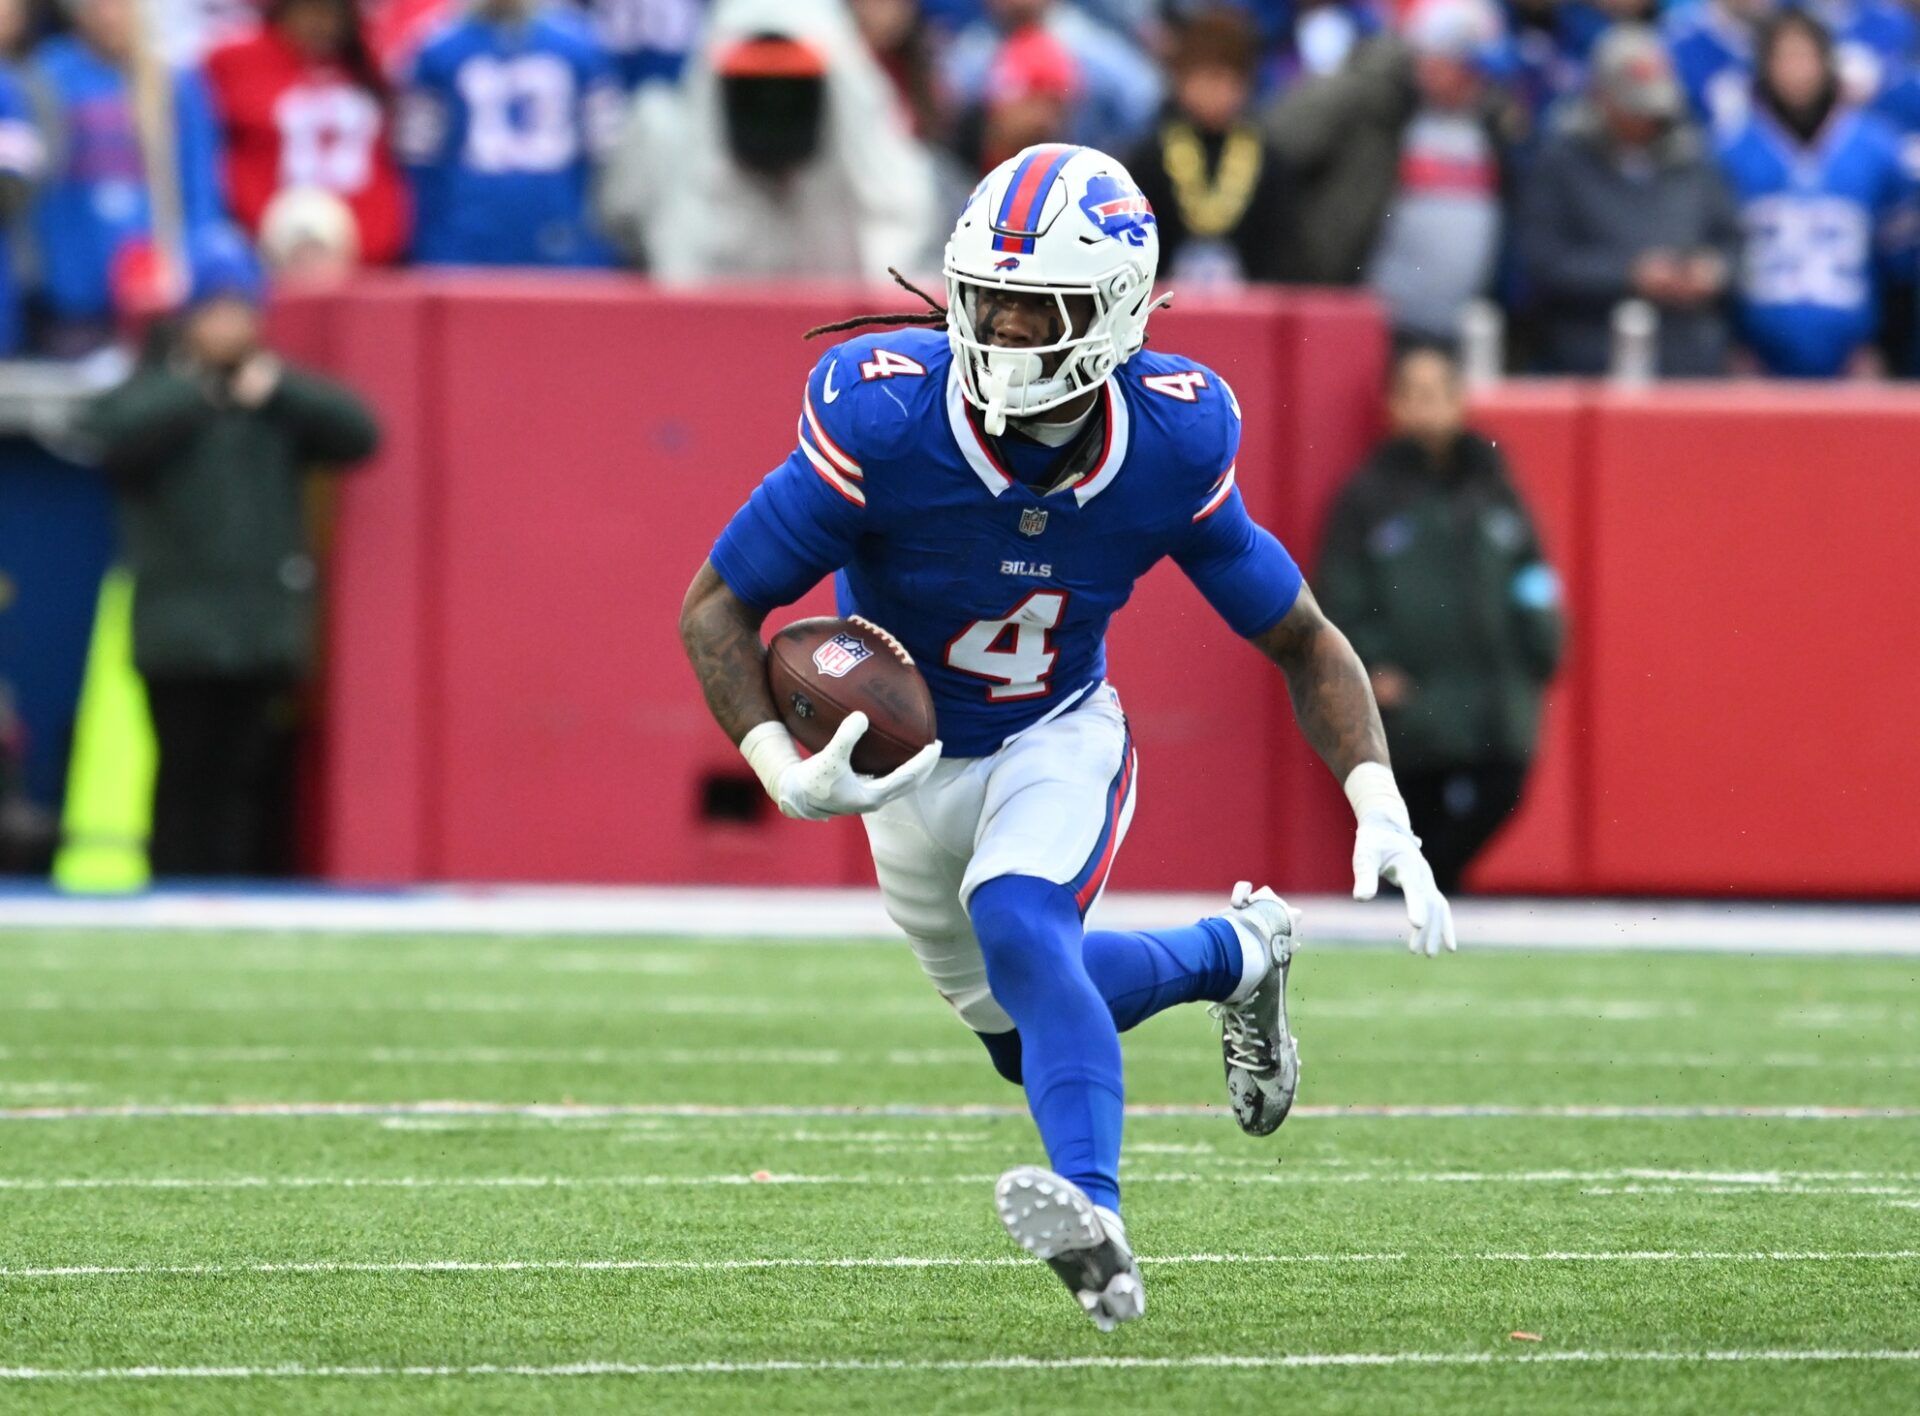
934,314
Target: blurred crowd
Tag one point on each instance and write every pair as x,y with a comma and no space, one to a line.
1691,188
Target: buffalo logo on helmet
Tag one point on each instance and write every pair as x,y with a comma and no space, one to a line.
840,655
1117,208
1007,263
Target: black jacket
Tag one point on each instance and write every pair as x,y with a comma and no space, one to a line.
1437,572
212,514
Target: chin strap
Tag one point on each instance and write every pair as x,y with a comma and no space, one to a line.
993,385
996,382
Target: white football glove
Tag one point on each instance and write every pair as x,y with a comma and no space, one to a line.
1385,848
825,785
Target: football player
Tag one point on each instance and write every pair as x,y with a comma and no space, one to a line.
990,493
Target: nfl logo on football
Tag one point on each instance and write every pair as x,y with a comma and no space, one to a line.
1033,521
839,656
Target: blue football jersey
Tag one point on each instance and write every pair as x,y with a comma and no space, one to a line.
1823,224
92,200
499,126
1001,593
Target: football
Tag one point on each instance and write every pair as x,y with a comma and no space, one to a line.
822,669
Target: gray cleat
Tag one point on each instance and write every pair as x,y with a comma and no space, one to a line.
1262,1059
1052,1218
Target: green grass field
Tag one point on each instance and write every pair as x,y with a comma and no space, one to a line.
168,1242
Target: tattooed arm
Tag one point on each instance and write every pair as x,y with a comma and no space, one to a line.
1332,698
721,633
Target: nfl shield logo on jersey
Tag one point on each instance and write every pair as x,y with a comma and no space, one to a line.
839,656
1033,521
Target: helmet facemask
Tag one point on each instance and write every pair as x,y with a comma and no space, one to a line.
1020,381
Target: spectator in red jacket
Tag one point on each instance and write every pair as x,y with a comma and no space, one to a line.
303,104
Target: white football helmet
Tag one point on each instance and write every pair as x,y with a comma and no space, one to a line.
1067,221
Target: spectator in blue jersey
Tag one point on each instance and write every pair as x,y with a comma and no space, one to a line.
93,204
1626,202
1827,210
504,113
22,157
1120,90
648,40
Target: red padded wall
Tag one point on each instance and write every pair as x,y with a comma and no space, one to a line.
595,440
1545,431
1753,655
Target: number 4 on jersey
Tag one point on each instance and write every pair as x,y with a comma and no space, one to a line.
885,363
1013,653
1185,385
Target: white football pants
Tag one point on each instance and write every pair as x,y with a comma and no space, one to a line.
1053,803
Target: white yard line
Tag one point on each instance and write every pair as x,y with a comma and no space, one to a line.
907,1261
294,1371
841,914
1393,1111
1477,1010
296,1054
302,956
1824,1182
1880,1190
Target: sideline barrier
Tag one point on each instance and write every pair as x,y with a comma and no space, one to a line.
507,699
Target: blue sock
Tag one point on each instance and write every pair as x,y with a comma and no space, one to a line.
1141,974
1030,936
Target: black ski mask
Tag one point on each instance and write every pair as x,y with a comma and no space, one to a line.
774,109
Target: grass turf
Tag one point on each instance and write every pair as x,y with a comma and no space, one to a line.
1426,1239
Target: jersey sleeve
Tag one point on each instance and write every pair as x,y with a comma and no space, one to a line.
802,521
1238,565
